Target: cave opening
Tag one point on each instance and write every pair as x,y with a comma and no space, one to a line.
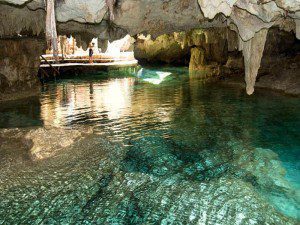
210,53
75,56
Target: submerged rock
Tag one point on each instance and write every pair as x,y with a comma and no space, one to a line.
93,181
13,148
56,190
176,162
47,142
137,198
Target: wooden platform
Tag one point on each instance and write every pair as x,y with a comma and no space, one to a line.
121,63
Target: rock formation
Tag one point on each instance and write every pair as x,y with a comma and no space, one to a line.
95,181
51,33
111,4
253,51
46,142
209,50
20,60
165,49
89,18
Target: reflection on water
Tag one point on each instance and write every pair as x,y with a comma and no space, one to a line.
86,102
114,105
153,77
181,127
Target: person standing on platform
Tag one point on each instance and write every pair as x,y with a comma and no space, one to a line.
91,52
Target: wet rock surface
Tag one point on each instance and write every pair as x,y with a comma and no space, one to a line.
288,83
280,77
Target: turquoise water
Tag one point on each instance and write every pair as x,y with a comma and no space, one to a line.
176,140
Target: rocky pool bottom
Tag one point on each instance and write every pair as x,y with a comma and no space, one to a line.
90,180
176,151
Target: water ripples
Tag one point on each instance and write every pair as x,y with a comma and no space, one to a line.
181,130
122,107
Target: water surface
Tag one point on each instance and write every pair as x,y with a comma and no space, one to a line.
180,130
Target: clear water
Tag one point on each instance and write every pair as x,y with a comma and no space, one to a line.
181,136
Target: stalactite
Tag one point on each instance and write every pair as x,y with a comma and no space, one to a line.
110,4
253,52
103,44
51,33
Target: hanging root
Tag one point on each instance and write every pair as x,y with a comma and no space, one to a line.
51,33
111,4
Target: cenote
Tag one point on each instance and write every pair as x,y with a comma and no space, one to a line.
139,112
153,146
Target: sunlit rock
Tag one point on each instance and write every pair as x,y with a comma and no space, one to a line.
165,49
83,11
212,8
160,76
197,61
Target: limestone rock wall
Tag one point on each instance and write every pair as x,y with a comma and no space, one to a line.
19,63
198,47
271,57
251,19
16,20
197,61
160,17
164,49
93,18
210,49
